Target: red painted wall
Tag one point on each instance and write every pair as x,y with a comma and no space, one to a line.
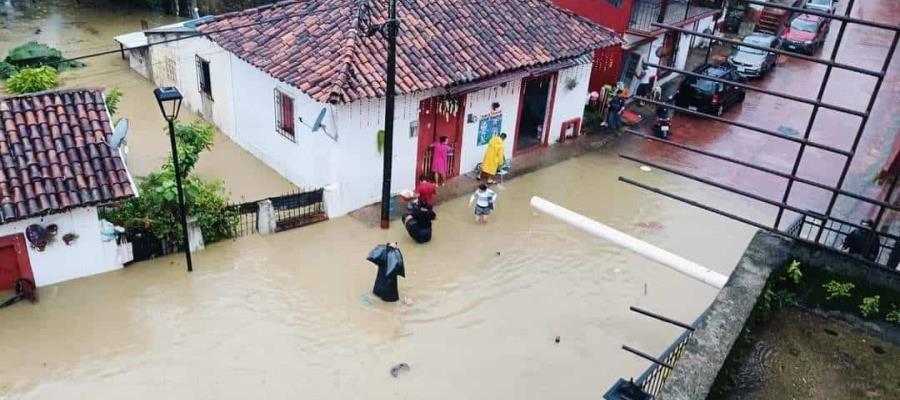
601,12
607,62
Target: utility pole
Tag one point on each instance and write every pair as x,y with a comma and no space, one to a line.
391,34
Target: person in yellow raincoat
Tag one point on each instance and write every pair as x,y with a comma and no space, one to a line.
493,157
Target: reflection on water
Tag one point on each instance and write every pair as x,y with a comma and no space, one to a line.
289,314
89,30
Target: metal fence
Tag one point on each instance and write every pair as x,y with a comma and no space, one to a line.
652,380
832,233
299,209
292,210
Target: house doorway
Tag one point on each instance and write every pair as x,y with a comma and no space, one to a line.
440,116
666,52
14,263
533,111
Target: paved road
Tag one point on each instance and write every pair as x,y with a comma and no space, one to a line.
862,47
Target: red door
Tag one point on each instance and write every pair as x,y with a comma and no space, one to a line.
440,116
14,262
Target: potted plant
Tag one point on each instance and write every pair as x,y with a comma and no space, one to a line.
69,238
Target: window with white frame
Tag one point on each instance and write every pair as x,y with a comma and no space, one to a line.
284,115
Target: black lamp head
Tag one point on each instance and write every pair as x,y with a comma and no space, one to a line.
169,100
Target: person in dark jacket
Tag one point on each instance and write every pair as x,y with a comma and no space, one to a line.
863,241
418,222
390,265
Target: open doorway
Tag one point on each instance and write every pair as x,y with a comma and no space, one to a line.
533,112
440,116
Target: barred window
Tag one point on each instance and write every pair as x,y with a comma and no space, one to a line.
284,115
204,80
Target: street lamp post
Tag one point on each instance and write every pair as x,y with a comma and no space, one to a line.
169,100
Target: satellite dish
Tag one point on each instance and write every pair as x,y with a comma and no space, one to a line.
119,133
318,124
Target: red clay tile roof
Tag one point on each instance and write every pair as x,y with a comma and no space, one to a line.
441,42
54,156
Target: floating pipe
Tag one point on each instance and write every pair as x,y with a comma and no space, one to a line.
647,250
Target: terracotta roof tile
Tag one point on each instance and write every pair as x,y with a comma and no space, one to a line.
53,154
441,42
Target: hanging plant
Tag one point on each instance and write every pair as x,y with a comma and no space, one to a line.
380,139
571,82
69,238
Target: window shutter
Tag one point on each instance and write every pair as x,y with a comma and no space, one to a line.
199,64
278,126
288,104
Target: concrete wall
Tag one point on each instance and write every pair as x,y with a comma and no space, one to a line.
88,255
716,332
569,102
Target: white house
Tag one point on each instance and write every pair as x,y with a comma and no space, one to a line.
300,84
55,169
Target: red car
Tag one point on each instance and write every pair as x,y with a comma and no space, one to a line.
805,34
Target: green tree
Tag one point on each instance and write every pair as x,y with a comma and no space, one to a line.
113,97
30,80
156,210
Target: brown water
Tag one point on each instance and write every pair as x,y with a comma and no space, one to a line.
86,30
288,315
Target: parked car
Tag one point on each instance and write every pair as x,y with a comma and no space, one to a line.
806,33
751,62
828,6
707,96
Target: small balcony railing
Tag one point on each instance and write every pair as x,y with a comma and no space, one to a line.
646,12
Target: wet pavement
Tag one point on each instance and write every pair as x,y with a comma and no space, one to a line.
79,31
290,314
862,47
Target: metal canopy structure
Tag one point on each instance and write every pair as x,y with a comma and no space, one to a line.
821,227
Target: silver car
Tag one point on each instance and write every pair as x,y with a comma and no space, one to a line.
751,62
826,6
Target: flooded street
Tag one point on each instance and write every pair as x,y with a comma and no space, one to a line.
78,32
290,314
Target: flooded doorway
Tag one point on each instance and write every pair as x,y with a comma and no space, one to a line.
533,111
14,262
440,116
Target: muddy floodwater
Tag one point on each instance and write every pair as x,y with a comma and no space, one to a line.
86,30
290,315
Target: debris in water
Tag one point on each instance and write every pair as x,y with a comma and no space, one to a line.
557,339
408,301
395,370
498,253
650,225
646,168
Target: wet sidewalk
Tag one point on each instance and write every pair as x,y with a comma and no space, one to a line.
522,164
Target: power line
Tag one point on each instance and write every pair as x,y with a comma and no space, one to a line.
204,34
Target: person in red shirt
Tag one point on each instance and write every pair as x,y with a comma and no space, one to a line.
426,190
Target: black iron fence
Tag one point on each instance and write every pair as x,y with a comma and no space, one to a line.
831,233
299,209
652,380
291,210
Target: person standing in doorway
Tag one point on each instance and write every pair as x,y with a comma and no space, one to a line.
426,191
493,157
440,160
863,241
483,199
616,108
643,89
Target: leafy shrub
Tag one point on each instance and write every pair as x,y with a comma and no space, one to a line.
30,80
869,305
794,273
34,54
893,316
836,289
7,69
156,210
113,97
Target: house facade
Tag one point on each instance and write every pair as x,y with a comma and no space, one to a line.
306,96
56,168
632,20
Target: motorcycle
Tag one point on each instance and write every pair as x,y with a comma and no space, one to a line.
663,126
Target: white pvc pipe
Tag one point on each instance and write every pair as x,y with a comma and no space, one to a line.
673,261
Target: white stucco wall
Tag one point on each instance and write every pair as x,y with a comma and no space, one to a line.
479,104
569,102
88,255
